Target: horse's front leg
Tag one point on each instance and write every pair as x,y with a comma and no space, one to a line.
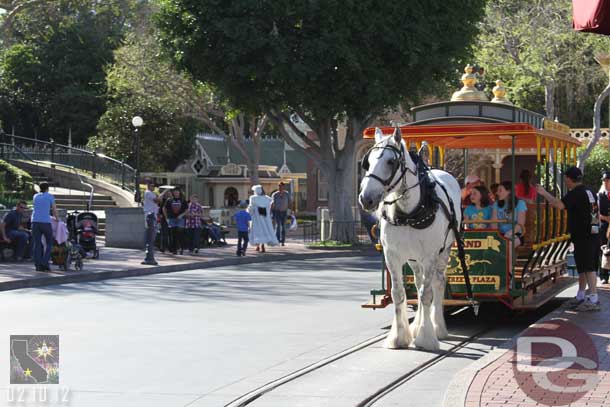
418,281
400,335
438,294
426,335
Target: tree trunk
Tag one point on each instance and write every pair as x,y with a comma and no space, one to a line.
336,164
570,97
342,194
549,99
597,131
253,163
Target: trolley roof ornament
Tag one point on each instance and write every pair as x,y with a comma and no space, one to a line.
481,124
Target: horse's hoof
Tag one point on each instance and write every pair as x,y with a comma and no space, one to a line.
396,342
429,344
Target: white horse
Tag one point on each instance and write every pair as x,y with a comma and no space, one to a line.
393,186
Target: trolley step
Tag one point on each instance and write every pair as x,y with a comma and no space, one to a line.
533,301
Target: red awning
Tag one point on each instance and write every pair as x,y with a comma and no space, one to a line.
591,16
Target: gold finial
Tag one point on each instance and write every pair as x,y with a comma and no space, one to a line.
469,92
499,92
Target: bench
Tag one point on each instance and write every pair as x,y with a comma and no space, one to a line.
3,246
206,236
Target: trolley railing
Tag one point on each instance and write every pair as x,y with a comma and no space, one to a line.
84,161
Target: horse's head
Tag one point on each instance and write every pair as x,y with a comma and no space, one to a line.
382,164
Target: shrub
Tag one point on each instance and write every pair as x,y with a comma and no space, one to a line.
598,162
15,184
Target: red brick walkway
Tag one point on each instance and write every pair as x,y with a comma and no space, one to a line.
498,384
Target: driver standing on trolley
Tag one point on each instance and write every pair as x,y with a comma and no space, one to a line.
583,225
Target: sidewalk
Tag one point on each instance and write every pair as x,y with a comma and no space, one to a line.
498,380
117,263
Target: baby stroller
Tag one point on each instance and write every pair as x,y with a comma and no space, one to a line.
65,253
83,231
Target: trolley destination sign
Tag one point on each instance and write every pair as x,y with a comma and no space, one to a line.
486,260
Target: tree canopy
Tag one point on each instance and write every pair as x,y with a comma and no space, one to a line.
330,56
328,61
547,66
52,66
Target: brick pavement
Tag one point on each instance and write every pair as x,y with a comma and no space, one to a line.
116,263
498,383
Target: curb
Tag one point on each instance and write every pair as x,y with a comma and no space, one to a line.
457,391
79,277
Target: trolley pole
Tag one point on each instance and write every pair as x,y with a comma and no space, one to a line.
513,175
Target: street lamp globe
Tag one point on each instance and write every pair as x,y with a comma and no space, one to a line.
137,121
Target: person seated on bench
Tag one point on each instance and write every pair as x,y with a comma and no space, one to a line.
503,211
13,232
479,209
213,231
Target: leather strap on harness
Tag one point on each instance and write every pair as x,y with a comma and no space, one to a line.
450,213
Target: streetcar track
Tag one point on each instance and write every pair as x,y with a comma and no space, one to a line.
253,395
390,387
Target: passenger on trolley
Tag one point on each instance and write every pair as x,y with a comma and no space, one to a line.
479,209
503,211
525,190
471,181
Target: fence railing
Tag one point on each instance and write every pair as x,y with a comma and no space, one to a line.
17,153
312,231
89,162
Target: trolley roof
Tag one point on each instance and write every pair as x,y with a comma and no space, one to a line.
481,125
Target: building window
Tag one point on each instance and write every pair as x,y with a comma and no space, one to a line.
322,187
231,197
211,195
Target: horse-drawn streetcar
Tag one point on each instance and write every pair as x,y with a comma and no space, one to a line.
511,139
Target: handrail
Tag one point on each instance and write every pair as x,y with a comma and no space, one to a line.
115,171
70,168
81,150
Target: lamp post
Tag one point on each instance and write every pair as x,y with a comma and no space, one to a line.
137,122
151,219
604,61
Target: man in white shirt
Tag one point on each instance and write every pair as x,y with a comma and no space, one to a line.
151,208
151,199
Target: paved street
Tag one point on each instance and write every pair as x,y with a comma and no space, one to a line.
196,338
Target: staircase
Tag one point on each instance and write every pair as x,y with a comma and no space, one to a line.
75,200
39,177
79,202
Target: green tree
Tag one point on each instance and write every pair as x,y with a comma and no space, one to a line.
327,61
547,66
52,66
142,80
598,161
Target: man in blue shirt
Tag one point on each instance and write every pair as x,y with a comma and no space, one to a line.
44,203
242,220
14,233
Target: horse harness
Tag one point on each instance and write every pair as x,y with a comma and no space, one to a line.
424,213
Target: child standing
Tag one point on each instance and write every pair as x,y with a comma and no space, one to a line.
242,220
194,216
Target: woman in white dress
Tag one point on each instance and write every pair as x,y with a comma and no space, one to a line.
262,232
